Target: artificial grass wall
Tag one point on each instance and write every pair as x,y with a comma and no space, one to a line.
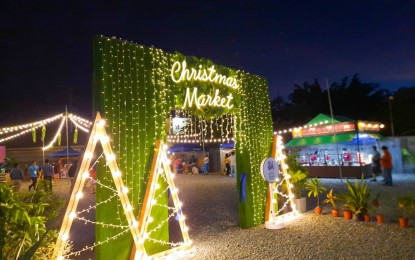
134,92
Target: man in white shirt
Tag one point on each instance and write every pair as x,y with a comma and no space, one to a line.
232,162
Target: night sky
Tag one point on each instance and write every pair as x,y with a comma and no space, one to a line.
46,49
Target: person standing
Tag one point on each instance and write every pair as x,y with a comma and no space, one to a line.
206,164
347,157
16,175
375,163
47,171
176,164
227,164
33,170
93,179
72,172
386,164
3,176
232,162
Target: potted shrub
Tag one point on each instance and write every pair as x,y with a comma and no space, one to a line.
298,179
314,188
357,198
331,199
405,204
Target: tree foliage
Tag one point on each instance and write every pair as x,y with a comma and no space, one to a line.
23,220
351,98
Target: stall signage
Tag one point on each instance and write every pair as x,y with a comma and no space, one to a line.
327,129
270,170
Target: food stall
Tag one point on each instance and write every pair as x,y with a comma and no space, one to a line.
336,148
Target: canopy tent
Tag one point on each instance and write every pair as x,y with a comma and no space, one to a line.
65,152
330,139
184,148
326,119
229,145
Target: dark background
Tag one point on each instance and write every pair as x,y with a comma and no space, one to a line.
46,47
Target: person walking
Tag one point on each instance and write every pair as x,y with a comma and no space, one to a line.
16,175
386,164
375,163
47,171
227,164
232,162
206,164
33,171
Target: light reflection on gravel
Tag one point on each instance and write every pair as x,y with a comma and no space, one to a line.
210,203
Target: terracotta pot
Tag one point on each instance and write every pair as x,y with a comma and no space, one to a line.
403,222
334,213
347,214
380,219
318,210
367,217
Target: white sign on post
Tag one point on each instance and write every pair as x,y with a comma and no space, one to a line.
270,170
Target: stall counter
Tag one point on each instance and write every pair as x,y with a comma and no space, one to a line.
334,172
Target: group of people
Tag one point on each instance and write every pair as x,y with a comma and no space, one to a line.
382,165
180,165
47,172
230,164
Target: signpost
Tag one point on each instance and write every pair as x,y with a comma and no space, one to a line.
270,172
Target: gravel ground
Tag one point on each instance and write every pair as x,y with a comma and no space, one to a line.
210,205
209,202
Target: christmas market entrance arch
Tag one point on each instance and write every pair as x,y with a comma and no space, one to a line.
136,87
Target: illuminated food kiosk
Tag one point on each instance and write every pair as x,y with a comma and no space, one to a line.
338,147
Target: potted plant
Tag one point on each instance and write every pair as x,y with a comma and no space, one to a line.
405,204
374,206
298,179
357,198
314,188
331,199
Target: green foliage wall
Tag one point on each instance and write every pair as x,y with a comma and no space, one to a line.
134,92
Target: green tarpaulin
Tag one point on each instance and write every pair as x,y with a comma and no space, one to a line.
326,119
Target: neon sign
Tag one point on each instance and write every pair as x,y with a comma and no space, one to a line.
204,100
201,74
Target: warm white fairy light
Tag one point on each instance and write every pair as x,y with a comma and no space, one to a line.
98,128
372,126
85,175
72,215
276,219
141,71
29,127
159,161
10,129
55,137
78,125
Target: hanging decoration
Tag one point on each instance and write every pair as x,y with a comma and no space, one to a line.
59,138
11,132
75,136
34,135
43,133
